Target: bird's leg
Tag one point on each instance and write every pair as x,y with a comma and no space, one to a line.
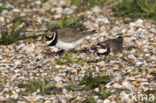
70,52
61,52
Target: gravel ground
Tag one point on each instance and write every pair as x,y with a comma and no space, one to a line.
132,72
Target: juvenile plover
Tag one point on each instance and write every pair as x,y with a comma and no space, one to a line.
110,45
67,38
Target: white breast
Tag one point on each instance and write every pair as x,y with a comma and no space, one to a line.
102,50
67,46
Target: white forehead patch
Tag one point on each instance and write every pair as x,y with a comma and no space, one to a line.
102,50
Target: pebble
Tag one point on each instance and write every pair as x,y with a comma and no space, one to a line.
138,23
104,34
138,64
103,19
153,30
109,71
57,79
16,10
118,77
1,20
106,101
96,9
128,85
14,96
131,56
38,2
116,85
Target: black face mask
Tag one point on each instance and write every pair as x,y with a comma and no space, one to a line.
53,43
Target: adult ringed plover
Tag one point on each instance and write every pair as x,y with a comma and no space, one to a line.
67,38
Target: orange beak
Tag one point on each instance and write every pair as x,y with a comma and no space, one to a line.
98,49
44,41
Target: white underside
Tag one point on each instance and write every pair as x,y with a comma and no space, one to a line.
102,50
67,46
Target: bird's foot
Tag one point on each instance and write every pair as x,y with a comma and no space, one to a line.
61,52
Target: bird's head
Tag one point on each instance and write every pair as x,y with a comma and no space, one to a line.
49,38
120,38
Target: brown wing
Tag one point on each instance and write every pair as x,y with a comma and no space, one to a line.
115,45
71,34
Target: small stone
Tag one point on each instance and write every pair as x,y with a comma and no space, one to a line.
63,101
116,85
147,55
109,71
38,2
47,101
16,10
108,85
5,12
16,71
15,96
138,64
138,23
1,19
118,77
76,78
64,90
104,34
102,19
99,101
17,62
153,30
131,56
97,89
30,48
96,9
127,84
106,101
146,50
151,39
96,97
57,79
32,98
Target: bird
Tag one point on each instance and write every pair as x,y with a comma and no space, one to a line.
108,46
67,38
